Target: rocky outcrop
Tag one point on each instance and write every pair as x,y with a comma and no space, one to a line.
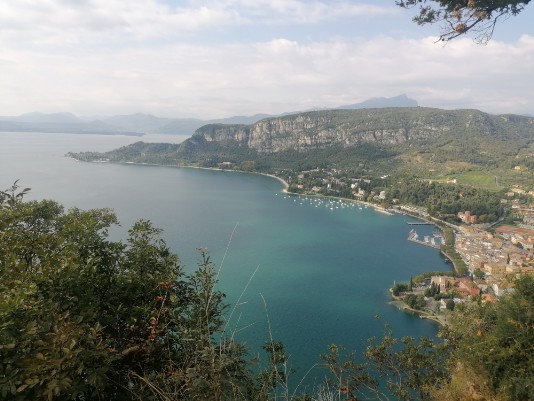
321,129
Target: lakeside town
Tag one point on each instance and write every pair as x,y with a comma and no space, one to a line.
487,255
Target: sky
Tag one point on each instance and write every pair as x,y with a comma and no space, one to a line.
220,58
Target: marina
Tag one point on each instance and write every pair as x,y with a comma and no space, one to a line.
324,201
434,241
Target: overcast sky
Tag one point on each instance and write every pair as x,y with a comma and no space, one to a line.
218,58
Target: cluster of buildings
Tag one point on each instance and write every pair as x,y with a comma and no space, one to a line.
336,183
493,259
463,288
510,249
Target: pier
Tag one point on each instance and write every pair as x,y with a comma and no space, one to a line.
420,223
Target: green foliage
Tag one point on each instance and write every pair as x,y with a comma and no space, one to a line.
460,17
273,379
477,148
83,317
497,340
478,273
448,250
398,288
441,198
432,290
11,196
459,265
408,369
487,353
415,301
421,277
511,219
448,235
478,179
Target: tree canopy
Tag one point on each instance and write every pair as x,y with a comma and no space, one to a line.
458,17
86,318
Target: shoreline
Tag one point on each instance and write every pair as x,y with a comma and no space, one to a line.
377,208
283,182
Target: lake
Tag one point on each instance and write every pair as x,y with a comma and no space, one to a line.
322,269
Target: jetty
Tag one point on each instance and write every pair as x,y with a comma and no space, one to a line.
420,223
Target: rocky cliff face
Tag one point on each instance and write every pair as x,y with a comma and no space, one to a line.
320,129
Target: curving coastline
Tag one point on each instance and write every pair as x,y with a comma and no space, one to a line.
281,180
284,183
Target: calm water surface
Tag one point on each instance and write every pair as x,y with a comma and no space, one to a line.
322,271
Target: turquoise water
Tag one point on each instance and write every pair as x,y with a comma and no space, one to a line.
322,272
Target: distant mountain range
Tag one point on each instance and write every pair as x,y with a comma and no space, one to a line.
139,124
60,123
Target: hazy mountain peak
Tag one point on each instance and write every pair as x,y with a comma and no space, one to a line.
138,122
381,102
36,117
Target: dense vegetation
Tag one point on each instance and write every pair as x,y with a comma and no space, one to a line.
86,318
448,249
458,17
494,347
440,198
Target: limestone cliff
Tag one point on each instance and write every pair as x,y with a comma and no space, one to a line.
321,129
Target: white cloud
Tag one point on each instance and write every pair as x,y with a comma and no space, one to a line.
105,57
285,11
60,22
275,76
63,22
